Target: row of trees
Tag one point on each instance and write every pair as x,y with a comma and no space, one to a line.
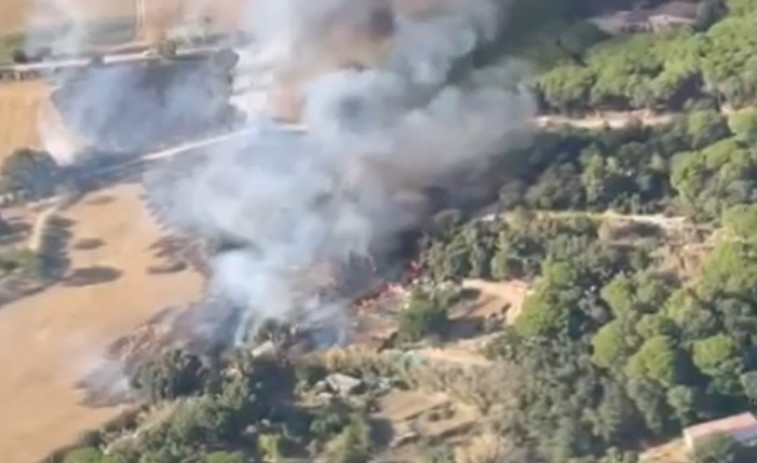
699,164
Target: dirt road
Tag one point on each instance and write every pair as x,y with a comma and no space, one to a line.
612,119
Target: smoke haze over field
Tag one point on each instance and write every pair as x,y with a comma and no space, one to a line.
378,134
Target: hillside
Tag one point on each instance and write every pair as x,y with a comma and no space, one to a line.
591,300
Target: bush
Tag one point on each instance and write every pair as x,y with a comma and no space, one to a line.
224,457
743,124
270,447
34,173
719,448
424,316
85,455
354,443
169,376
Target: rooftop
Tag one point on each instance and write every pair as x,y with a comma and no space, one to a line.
728,425
679,8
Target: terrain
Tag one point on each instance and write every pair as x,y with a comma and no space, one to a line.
49,341
605,305
21,104
17,15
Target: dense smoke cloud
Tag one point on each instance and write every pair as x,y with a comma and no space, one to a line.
384,121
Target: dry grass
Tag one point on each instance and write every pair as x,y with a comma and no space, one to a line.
17,15
488,447
21,104
50,340
496,297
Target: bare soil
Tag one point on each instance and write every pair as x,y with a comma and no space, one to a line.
49,341
416,417
21,104
17,15
497,298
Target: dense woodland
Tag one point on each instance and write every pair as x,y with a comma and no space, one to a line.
614,349
713,61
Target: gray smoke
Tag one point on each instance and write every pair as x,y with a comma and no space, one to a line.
375,138
377,135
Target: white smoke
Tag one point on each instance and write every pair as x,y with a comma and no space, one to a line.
375,138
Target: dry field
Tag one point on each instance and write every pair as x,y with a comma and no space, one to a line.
17,15
494,298
50,340
20,107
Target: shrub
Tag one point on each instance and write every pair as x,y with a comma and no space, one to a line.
424,316
719,448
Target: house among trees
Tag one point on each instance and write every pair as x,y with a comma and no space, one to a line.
741,428
669,15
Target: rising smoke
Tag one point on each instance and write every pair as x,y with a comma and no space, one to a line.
386,115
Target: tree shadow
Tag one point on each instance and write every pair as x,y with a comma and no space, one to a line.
382,432
167,268
88,244
92,276
55,256
13,231
178,254
100,200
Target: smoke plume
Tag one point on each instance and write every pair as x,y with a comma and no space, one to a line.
390,108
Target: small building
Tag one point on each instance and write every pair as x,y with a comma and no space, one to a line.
670,15
741,428
673,15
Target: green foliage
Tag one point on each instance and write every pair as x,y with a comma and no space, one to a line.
657,359
615,455
730,268
650,399
741,221
330,421
567,88
270,446
619,294
705,127
224,457
424,316
86,455
712,180
749,384
35,174
661,71
613,345
173,374
720,448
657,324
354,443
542,314
743,124
22,260
683,400
711,352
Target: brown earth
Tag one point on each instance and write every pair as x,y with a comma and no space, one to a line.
16,15
51,340
496,298
20,107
